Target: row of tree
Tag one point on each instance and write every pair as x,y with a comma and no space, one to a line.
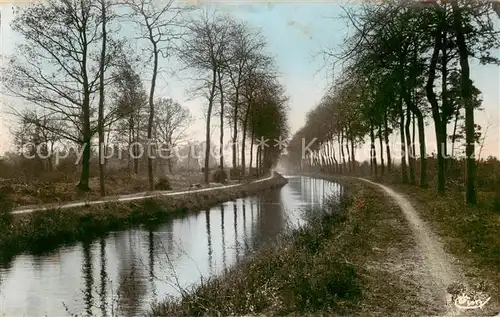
77,68
399,52
233,70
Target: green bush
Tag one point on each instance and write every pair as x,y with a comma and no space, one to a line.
163,184
219,176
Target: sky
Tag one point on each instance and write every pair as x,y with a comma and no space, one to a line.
297,34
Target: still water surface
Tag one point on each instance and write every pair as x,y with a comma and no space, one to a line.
126,271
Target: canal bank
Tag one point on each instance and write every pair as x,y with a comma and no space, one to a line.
124,272
41,229
359,257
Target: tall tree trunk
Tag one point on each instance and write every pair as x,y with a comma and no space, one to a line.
235,131
243,141
466,93
221,141
259,160
100,119
349,163
446,107
151,115
373,151
413,135
130,138
207,129
411,155
436,116
382,164
422,146
341,144
353,153
135,150
454,135
251,149
386,137
83,184
404,173
336,168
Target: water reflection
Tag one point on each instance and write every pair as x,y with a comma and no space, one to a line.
103,278
224,262
209,238
133,269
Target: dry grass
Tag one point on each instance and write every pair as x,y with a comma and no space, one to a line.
22,193
337,265
470,234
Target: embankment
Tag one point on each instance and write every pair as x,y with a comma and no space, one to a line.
46,229
352,258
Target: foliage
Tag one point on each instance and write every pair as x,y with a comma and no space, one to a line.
163,184
219,176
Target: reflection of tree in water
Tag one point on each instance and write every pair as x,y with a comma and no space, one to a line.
40,259
271,218
252,224
132,285
103,277
88,278
235,212
6,262
245,237
162,250
151,266
209,239
223,234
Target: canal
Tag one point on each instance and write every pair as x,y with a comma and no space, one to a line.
127,271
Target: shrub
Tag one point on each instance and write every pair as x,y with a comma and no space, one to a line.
163,184
219,176
253,172
235,173
5,208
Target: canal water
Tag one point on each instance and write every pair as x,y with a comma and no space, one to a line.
127,271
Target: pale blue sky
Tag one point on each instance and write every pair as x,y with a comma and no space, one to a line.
297,33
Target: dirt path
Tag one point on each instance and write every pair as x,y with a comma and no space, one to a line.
122,198
438,271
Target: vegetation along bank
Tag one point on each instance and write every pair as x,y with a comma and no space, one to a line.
42,230
344,262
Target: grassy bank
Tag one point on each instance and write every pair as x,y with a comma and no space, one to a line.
342,263
44,230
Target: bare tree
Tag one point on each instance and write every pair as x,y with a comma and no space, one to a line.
30,131
158,22
171,121
56,66
130,100
203,51
104,7
245,49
